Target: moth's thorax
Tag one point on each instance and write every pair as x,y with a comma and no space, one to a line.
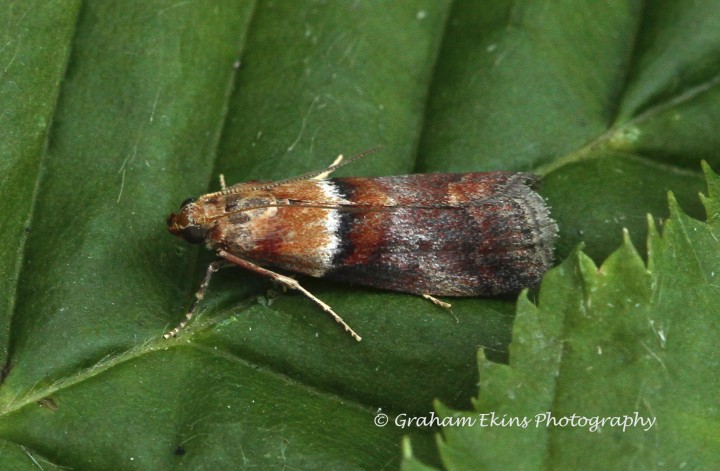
209,217
293,226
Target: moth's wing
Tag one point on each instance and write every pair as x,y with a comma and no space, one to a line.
445,234
442,234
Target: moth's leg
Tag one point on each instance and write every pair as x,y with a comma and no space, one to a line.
290,283
442,304
436,301
221,177
324,175
199,295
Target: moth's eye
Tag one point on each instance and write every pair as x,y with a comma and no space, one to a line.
194,234
187,202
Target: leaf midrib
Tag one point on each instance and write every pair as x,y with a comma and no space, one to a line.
157,345
587,152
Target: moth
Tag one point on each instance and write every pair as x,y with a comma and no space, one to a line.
438,234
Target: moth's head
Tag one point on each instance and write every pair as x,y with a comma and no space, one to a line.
185,224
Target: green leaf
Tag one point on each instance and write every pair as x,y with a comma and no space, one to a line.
112,113
621,342
34,43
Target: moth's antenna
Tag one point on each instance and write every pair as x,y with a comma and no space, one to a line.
309,175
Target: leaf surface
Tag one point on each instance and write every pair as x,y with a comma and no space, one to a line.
611,364
112,113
